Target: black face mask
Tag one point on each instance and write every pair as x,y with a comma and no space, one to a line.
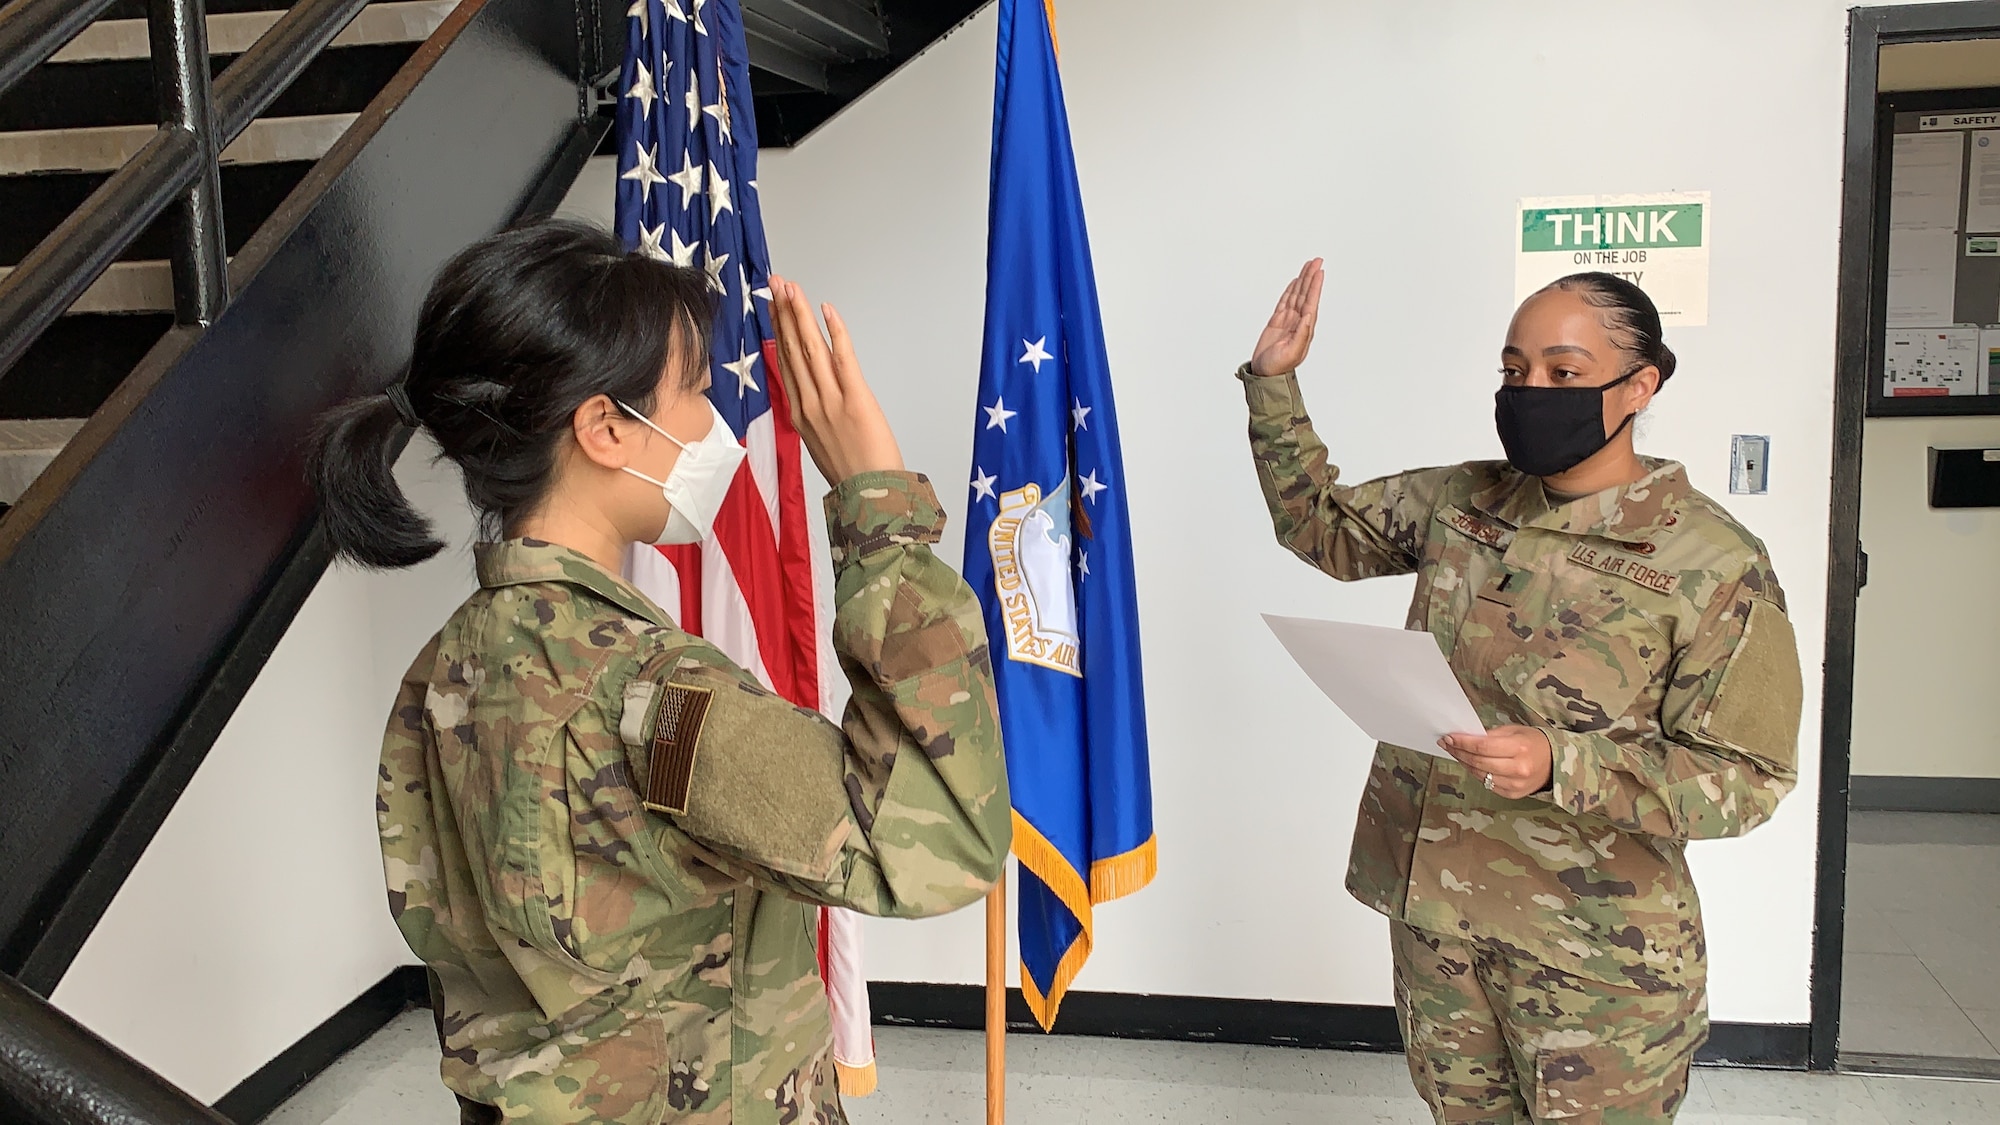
1550,430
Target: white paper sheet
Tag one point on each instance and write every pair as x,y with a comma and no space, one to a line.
1394,683
1927,362
1982,200
1924,179
1923,277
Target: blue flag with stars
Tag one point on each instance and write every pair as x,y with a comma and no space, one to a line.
1048,541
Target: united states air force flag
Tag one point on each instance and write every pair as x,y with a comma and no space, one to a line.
1048,542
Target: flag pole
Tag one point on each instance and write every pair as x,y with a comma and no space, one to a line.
996,1002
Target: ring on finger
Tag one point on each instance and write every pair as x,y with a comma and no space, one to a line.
1489,782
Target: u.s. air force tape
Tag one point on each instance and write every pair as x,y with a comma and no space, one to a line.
676,739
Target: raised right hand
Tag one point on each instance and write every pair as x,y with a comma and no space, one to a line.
832,408
1289,335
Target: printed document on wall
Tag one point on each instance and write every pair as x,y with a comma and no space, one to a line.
1982,203
1932,362
1989,362
1924,180
1923,277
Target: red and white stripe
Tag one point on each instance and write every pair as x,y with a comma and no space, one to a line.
754,589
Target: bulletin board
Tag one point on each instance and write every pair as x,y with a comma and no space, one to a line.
1937,260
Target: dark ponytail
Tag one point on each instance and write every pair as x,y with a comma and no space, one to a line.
1629,315
518,330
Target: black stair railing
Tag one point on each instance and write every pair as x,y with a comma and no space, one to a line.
178,168
53,1071
148,574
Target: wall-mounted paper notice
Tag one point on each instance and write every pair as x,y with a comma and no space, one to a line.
1924,179
1932,362
1394,683
1923,277
1982,195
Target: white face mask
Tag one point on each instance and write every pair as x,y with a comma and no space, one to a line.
699,480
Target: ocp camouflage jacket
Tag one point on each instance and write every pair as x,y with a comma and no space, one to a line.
607,841
1641,628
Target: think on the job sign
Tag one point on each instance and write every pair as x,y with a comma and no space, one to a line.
1657,242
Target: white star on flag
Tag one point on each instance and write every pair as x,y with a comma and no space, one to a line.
1091,487
1084,562
642,90
743,285
699,29
674,10
683,252
982,483
649,241
642,11
997,414
688,179
693,103
742,369
718,195
720,111
645,172
1036,354
715,263
1079,414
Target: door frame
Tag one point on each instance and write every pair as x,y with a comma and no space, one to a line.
1863,215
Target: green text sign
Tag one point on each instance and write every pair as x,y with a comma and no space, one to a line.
1600,228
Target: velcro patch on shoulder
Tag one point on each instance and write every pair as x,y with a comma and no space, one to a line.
1757,705
1492,534
677,730
1618,564
747,772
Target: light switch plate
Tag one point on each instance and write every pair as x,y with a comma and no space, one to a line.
1749,465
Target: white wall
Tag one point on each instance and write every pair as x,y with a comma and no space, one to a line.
1924,704
259,909
1394,139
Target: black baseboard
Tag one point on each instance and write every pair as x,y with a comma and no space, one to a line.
1112,1015
1261,1023
1925,794
255,1097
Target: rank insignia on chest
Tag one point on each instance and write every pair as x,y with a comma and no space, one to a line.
1604,560
676,737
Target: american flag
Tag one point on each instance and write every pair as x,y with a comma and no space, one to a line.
687,193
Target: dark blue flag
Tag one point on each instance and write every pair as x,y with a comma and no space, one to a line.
1048,541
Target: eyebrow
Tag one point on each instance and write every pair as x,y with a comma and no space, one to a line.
1559,349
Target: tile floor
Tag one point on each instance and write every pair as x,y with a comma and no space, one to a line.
935,1077
1923,936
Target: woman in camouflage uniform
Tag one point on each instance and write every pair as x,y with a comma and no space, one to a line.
1625,642
605,839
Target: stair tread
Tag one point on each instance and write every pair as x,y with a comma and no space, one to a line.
27,445
231,33
105,148
126,287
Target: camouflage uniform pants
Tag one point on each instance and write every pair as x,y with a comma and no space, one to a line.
1495,1038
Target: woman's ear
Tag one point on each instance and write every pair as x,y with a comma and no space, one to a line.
1640,389
601,433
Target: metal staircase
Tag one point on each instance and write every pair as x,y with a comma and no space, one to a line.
217,221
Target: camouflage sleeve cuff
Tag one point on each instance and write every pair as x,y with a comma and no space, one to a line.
870,511
1577,770
1272,396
